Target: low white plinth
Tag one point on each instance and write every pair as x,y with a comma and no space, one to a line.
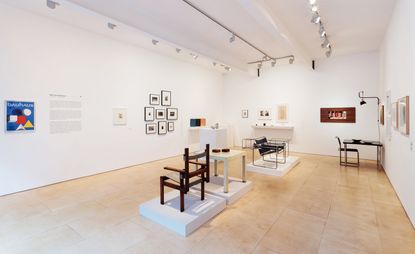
197,212
237,188
282,169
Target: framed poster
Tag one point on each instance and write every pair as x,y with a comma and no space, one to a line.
119,116
154,99
20,116
338,115
151,128
264,114
165,98
403,115
170,126
160,114
382,114
148,114
162,127
244,113
172,113
282,113
394,115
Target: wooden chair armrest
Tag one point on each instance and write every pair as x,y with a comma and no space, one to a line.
174,169
197,163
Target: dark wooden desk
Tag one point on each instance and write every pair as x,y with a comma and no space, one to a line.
378,145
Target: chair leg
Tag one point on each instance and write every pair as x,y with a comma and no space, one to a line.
181,200
358,159
162,190
340,156
202,191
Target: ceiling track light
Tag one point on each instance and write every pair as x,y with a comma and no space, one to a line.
291,60
314,8
326,43
328,52
315,18
178,50
274,60
273,63
155,42
312,2
52,4
232,39
111,25
228,68
214,63
194,56
322,31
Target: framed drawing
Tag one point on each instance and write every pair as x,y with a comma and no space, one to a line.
148,114
154,99
160,114
20,116
382,114
151,128
162,127
165,98
244,113
403,115
282,113
394,115
119,116
338,115
172,113
170,126
264,114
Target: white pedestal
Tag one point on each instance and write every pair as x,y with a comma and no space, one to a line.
237,188
282,169
197,212
217,138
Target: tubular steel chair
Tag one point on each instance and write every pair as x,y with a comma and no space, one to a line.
352,150
183,184
268,148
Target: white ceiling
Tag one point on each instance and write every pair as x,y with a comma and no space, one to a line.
278,27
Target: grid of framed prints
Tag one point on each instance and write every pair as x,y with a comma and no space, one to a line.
159,116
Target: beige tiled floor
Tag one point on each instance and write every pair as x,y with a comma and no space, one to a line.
318,207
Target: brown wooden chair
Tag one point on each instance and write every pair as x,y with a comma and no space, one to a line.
187,177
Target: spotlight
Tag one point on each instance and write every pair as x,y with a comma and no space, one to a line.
178,50
291,60
328,53
312,2
154,42
228,68
362,102
316,18
232,39
314,8
322,31
273,63
111,26
194,56
326,43
214,63
51,4
265,58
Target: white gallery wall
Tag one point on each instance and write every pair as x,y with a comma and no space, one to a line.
335,83
398,77
40,56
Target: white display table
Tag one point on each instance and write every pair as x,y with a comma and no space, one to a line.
217,138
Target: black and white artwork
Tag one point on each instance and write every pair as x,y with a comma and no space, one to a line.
165,98
151,128
244,113
154,99
162,127
170,126
148,114
172,113
160,114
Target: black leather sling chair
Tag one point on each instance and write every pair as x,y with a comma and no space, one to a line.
268,148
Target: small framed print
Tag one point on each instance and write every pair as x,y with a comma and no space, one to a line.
165,98
282,113
394,115
119,116
148,114
244,113
151,128
264,114
172,113
154,99
170,126
403,115
160,114
162,127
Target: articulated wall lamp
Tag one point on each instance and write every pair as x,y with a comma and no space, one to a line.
363,97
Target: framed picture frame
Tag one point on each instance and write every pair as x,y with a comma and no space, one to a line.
338,115
403,115
148,114
20,116
394,115
282,113
264,114
162,127
244,113
160,114
165,98
172,114
382,114
170,126
151,128
154,99
119,116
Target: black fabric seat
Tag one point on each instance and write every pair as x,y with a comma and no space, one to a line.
351,150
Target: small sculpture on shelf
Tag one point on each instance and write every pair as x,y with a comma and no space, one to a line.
183,183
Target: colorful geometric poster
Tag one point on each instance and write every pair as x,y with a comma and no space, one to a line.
20,116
